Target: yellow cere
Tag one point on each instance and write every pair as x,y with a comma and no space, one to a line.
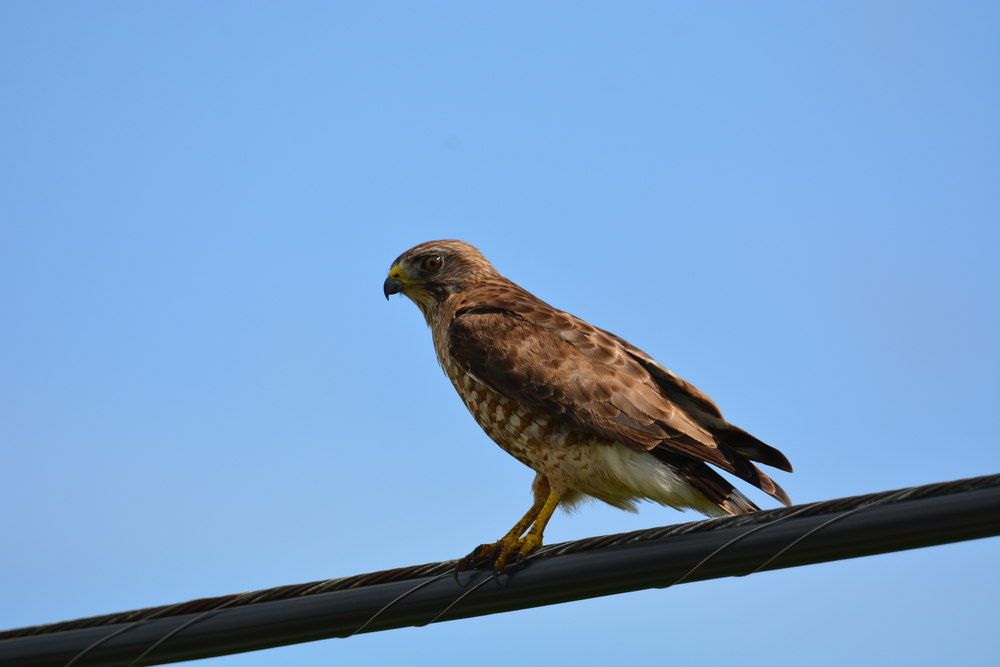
399,274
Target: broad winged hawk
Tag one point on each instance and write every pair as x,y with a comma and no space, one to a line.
592,415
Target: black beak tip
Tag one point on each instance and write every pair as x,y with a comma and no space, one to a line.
391,286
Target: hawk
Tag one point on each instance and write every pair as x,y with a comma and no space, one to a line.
592,415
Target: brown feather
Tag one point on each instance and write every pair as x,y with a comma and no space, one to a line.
558,365
490,343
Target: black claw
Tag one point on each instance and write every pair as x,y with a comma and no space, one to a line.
472,560
517,561
495,553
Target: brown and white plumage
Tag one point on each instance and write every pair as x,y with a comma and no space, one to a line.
591,414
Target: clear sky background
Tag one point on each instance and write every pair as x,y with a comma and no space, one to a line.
794,206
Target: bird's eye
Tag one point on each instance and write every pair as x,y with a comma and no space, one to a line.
433,263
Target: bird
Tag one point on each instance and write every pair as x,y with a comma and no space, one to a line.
594,416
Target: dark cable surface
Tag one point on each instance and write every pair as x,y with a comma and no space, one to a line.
417,595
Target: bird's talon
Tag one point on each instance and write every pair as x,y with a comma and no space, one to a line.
464,564
475,559
498,549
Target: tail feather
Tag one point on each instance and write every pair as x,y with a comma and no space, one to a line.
716,488
740,441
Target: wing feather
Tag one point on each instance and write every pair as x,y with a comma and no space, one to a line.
554,362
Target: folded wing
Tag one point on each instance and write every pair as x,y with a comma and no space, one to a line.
554,362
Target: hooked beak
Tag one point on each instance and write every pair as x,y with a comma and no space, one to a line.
392,286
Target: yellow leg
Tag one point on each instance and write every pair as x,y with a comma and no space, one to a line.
484,550
523,525
522,547
510,544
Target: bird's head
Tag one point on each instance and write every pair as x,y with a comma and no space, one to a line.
431,272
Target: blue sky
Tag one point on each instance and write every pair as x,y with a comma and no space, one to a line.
794,206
